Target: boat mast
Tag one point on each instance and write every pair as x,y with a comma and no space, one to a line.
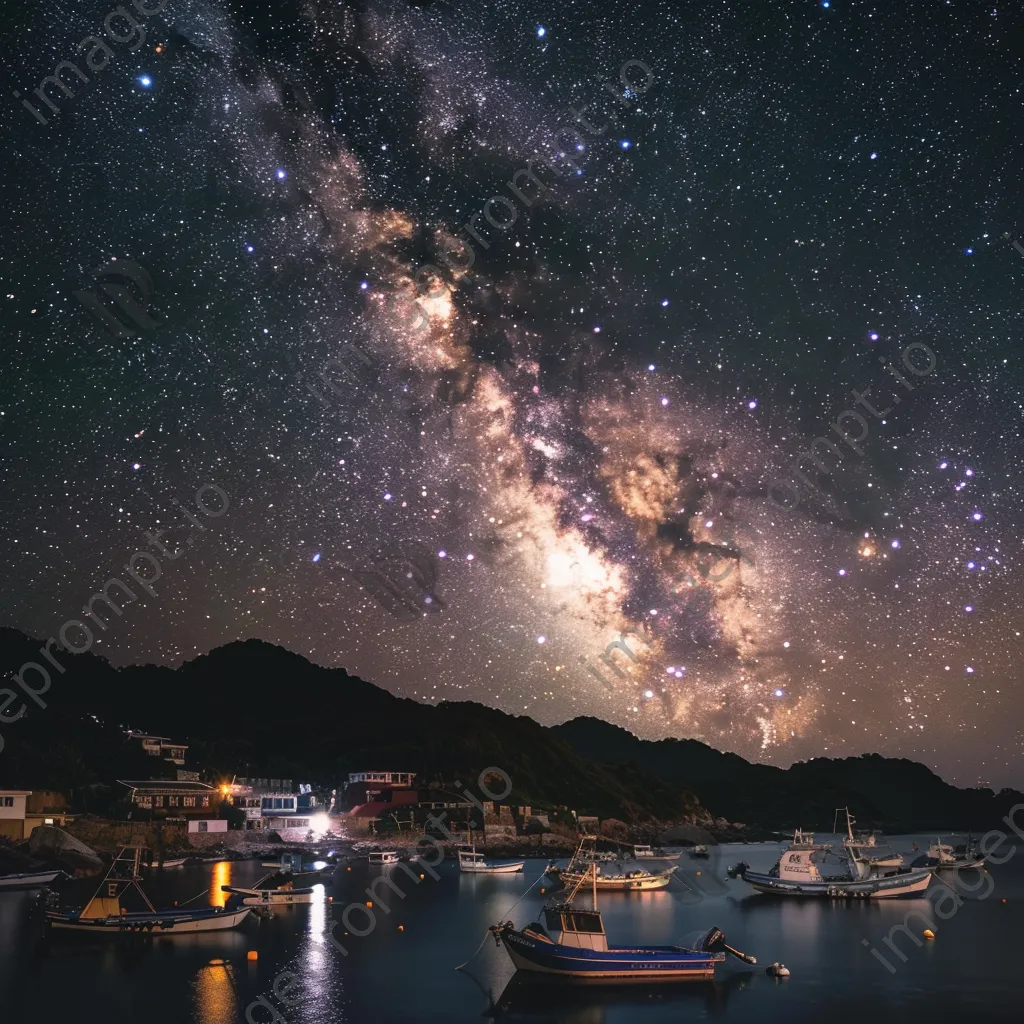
593,876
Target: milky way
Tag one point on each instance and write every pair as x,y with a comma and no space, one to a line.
475,434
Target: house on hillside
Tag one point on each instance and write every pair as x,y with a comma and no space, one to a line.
272,803
172,798
160,746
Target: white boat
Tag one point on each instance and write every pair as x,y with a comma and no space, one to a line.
943,857
798,873
262,895
866,849
175,862
29,880
382,857
105,915
475,863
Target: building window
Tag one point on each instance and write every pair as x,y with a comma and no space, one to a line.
206,802
8,801
172,801
158,801
189,801
203,826
144,801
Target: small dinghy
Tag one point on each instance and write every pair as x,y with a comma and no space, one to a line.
475,863
105,915
280,892
572,944
30,880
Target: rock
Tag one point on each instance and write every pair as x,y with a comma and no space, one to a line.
54,845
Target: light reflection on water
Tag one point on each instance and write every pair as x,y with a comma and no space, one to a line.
221,875
216,1001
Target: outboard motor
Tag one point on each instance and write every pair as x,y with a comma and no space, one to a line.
738,870
714,940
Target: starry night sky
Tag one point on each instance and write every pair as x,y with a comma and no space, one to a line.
575,438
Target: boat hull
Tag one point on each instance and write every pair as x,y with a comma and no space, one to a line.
271,897
166,923
642,963
493,869
890,887
28,880
647,883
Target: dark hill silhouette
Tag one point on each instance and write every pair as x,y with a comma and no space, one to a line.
882,792
251,708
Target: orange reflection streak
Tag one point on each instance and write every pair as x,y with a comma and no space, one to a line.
221,876
216,1002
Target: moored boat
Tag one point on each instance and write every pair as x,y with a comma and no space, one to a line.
106,915
572,944
381,858
476,863
798,873
699,852
30,880
621,881
943,857
273,890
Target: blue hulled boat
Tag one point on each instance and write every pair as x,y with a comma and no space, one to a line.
574,945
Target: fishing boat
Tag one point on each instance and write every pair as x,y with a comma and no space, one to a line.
942,857
572,944
105,914
281,892
175,862
699,852
798,873
381,858
621,881
475,863
586,857
866,848
30,880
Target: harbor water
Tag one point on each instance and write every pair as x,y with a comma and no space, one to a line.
339,961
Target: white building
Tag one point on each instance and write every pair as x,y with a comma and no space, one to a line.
13,810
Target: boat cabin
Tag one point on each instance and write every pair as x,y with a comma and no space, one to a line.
642,852
571,926
383,857
468,857
798,865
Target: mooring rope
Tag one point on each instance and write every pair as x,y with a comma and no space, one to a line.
504,916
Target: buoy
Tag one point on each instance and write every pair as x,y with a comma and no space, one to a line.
401,927
424,876
369,903
777,970
348,869
252,955
928,933
543,891
1003,900
698,874
330,899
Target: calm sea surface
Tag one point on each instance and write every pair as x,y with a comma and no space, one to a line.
972,971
